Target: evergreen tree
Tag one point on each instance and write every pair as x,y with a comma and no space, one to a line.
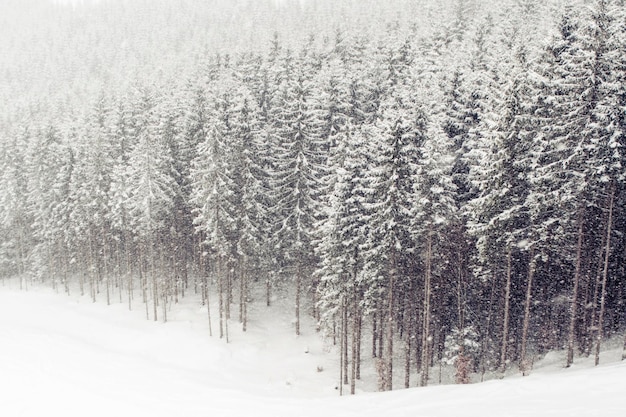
15,220
151,191
396,139
298,169
214,190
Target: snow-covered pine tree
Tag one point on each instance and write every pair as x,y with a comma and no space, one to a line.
122,141
15,221
434,210
90,191
251,192
396,137
581,152
342,233
604,35
170,128
298,169
49,164
150,196
214,189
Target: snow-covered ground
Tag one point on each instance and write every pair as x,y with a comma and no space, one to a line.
66,356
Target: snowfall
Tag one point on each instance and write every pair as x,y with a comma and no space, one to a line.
65,355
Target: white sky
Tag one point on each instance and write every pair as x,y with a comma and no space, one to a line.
73,1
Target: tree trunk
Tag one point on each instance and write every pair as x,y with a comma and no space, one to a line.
460,294
205,293
505,320
425,361
407,353
64,255
118,271
486,338
166,285
355,344
573,308
105,265
143,280
342,330
346,380
381,333
21,265
220,291
298,293
155,289
128,271
605,272
81,278
390,310
268,288
359,333
524,367
244,278
92,266
374,335
410,332
228,289
591,326
242,297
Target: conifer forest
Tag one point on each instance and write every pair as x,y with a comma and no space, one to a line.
431,180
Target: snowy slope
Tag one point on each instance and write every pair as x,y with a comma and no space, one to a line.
65,356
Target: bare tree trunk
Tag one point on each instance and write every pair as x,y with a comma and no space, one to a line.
205,291
524,368
244,279
425,361
268,288
129,270
105,265
298,294
64,255
591,326
359,333
166,285
574,303
460,294
410,332
487,337
586,315
346,380
381,333
226,330
155,293
92,266
118,271
143,279
390,310
220,290
407,351
355,343
342,330
507,304
185,257
242,274
605,272
229,289
374,335
21,265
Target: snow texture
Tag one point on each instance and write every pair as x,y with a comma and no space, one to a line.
66,356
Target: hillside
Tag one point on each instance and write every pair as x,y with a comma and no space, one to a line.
66,355
437,184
